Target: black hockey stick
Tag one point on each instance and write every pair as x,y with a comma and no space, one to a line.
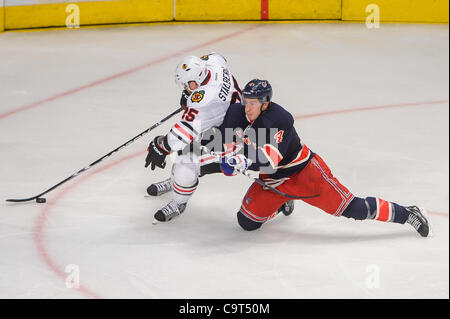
260,182
39,199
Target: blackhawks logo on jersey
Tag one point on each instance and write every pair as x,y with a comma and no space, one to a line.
197,96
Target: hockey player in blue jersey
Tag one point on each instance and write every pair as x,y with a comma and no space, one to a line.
273,147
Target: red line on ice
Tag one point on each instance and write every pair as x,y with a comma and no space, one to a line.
40,223
45,212
369,108
430,212
39,238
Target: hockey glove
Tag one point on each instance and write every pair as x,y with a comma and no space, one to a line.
157,153
183,101
226,168
230,165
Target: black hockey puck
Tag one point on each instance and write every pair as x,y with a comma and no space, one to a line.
40,200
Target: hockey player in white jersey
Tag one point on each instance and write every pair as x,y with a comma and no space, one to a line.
208,90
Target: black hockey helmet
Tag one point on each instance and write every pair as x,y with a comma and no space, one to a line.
258,89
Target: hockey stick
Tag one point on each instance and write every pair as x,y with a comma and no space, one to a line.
40,199
220,155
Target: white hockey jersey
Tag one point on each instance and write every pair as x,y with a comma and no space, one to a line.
206,106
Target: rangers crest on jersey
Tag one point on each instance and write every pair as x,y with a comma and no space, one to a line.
197,96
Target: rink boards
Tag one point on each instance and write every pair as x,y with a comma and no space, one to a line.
23,14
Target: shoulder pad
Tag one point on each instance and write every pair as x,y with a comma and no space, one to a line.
279,117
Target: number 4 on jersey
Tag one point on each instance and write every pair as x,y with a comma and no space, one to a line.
279,136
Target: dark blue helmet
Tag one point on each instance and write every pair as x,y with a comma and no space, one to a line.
259,89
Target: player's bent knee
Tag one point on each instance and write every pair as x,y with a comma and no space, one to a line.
358,209
246,223
185,174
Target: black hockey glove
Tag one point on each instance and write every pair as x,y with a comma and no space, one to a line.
183,101
157,152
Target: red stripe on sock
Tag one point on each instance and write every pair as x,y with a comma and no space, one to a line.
383,207
184,191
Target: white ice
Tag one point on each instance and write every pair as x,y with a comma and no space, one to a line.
99,226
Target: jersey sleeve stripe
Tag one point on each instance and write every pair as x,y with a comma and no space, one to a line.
188,127
303,156
182,132
273,154
207,159
179,137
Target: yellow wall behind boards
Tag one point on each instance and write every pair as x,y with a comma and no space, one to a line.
15,14
213,10
2,17
304,9
97,12
398,10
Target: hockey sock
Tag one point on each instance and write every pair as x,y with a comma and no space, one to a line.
376,208
181,194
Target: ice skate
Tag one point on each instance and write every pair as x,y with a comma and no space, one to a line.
287,208
169,212
417,219
158,189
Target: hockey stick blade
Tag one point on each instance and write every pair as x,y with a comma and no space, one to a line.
12,200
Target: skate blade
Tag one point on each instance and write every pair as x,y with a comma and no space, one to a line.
149,196
155,221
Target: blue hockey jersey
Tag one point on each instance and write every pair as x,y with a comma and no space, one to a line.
271,141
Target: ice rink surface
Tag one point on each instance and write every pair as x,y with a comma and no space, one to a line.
372,102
